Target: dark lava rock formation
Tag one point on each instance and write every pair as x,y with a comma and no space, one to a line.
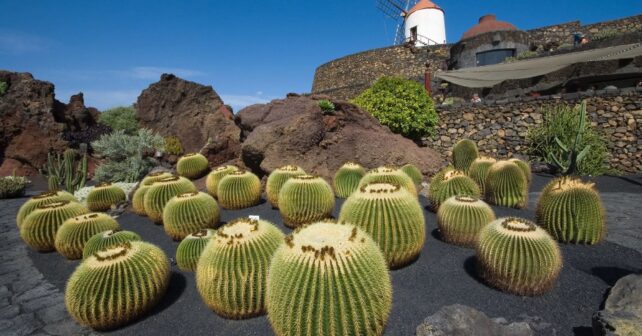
622,313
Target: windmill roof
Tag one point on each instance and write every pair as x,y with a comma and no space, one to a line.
423,4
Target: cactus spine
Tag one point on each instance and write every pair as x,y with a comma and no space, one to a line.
389,175
392,216
449,183
518,257
460,218
74,233
506,185
65,170
328,279
571,211
190,249
39,228
346,179
238,190
214,177
160,192
192,165
155,177
106,239
189,212
525,167
413,172
478,171
304,199
277,179
104,196
117,285
138,200
232,270
464,153
42,199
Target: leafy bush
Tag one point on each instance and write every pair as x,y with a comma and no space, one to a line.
86,136
3,87
606,34
173,145
128,157
402,105
326,105
13,186
526,54
563,122
120,118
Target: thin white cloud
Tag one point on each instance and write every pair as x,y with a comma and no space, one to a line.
150,72
102,99
18,43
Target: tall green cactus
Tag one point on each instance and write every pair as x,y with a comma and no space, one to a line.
304,199
571,155
277,179
64,169
460,218
328,279
346,179
191,247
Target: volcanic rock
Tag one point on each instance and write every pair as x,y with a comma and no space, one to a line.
460,320
622,313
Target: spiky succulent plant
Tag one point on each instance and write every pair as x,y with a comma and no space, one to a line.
191,247
189,212
161,191
525,167
192,165
103,196
156,176
478,171
392,216
460,218
138,200
74,233
239,189
571,211
323,271
106,239
518,257
413,172
346,179
305,199
277,179
449,183
506,185
117,285
389,175
464,153
39,228
41,199
232,270
215,176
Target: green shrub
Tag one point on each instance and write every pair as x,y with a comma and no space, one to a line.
402,105
13,186
522,56
120,118
128,157
173,145
605,34
562,121
326,105
3,87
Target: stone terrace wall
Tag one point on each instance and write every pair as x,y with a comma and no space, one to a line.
500,127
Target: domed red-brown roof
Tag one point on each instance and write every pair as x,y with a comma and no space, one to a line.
423,4
487,23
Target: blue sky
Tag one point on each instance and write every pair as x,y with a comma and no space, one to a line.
249,51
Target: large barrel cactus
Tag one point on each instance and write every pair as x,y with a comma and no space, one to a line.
138,200
189,212
328,279
106,239
506,185
389,175
75,232
464,153
460,218
478,171
518,257
346,179
571,211
232,270
305,199
154,177
191,247
117,285
192,165
215,176
103,196
42,199
277,179
160,192
392,216
449,183
525,167
238,190
413,172
39,228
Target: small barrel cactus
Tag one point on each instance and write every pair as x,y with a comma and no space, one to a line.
346,179
215,176
160,192
277,179
238,190
192,165
571,211
232,270
464,153
506,185
389,175
75,232
154,177
392,216
518,257
451,183
117,285
305,199
328,269
413,172
39,228
460,218
42,199
478,171
138,200
103,196
525,167
189,250
189,212
106,239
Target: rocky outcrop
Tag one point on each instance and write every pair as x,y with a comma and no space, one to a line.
192,112
460,320
622,313
295,131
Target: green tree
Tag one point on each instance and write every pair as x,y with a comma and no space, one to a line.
120,118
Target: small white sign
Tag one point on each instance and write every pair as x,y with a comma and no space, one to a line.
254,217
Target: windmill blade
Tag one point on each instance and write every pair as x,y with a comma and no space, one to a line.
393,8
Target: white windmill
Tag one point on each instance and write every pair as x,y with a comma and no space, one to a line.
419,22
